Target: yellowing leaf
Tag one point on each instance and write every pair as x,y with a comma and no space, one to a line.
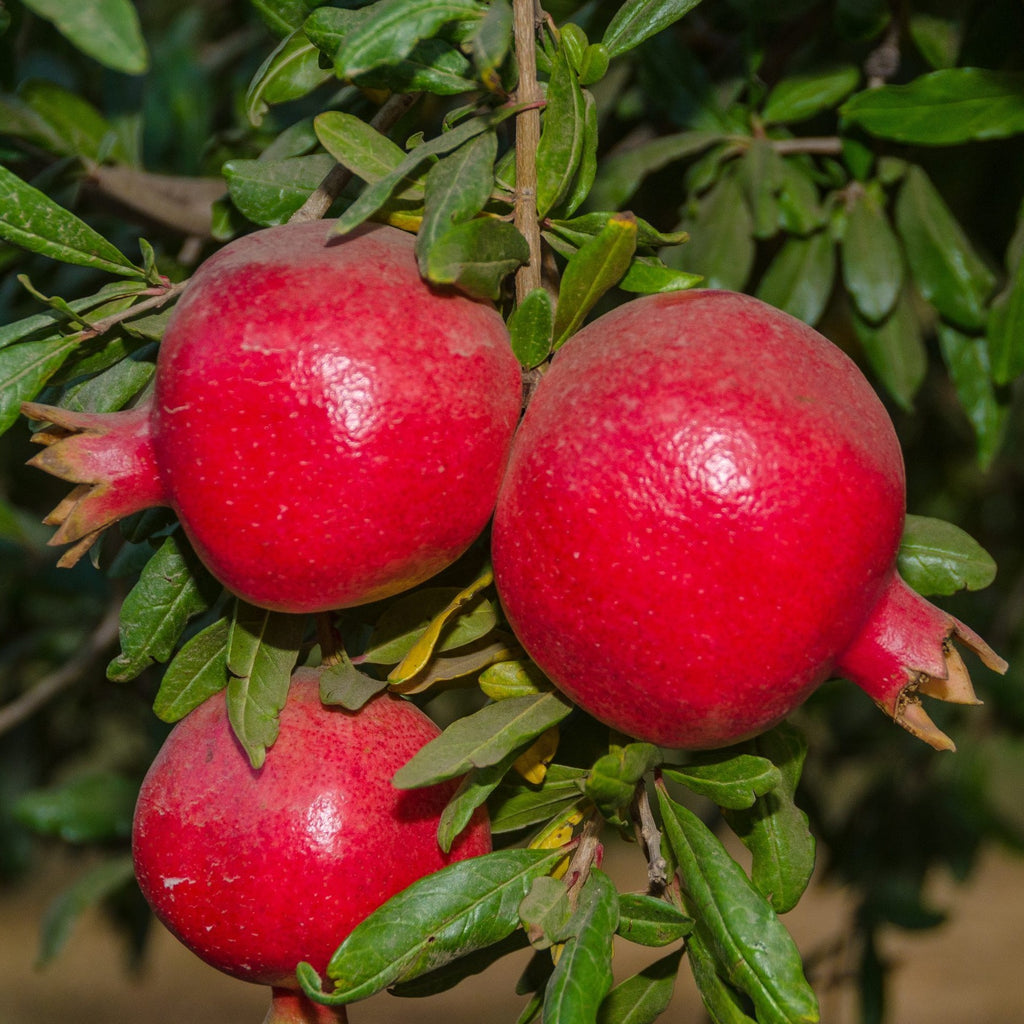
533,762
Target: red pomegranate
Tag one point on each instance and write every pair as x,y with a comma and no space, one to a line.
258,870
328,428
699,525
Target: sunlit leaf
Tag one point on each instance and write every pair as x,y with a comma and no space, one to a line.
937,557
637,20
106,30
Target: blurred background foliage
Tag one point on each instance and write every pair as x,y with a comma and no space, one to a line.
690,131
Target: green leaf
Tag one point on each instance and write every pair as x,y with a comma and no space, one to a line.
197,671
390,29
750,946
799,279
937,557
106,30
637,20
599,264
729,779
483,738
94,808
79,129
292,70
651,921
896,351
872,260
583,975
343,684
26,367
282,17
513,679
586,171
530,328
473,791
172,588
945,266
35,222
621,174
647,275
800,209
1006,329
722,1002
613,778
457,189
451,974
87,891
477,256
464,907
362,149
945,107
546,912
579,230
773,828
517,805
433,66
642,998
262,650
268,192
761,174
966,359
562,140
938,39
491,43
800,97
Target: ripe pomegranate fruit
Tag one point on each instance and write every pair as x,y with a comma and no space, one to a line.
699,524
328,428
258,870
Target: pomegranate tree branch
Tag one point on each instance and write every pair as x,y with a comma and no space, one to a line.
650,838
587,855
320,201
49,686
524,29
823,145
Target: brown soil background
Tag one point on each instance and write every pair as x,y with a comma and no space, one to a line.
968,971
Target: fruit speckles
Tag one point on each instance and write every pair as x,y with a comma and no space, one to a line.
700,516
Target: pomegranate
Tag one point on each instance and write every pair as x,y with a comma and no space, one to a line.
699,524
328,428
258,870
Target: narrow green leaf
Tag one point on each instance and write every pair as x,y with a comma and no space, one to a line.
647,275
517,804
761,174
473,791
598,265
586,171
938,39
268,192
637,20
583,975
477,256
750,946
799,280
800,97
729,779
282,17
85,892
562,140
651,921
457,189
946,107
723,1003
361,148
433,66
106,30
513,678
93,808
800,208
172,588
262,650
483,738
1006,329
292,70
612,779
966,359
391,28
937,557
492,42
546,912
24,369
464,907
773,828
896,350
197,671
35,222
444,978
343,684
872,260
945,266
577,231
79,128
642,998
530,328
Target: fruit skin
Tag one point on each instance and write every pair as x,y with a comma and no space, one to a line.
257,870
701,512
329,429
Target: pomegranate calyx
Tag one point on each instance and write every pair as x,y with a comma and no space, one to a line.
109,457
289,1006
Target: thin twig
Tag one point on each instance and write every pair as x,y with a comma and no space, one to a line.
587,855
70,672
528,276
317,205
650,837
823,145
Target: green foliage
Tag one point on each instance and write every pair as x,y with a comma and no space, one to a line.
681,143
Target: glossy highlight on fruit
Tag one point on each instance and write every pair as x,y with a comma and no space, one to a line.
258,870
700,522
328,428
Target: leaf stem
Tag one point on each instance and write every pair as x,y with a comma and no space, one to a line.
321,200
524,28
